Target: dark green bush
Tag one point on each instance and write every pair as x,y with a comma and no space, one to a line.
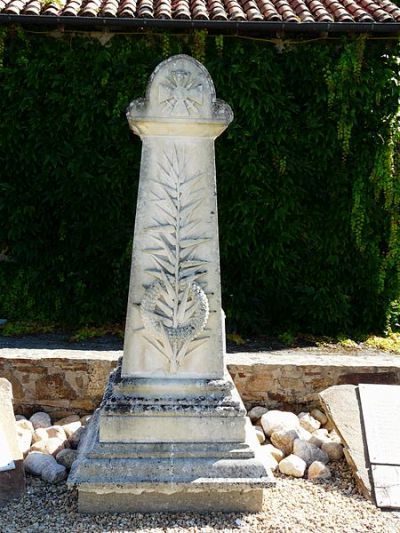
308,190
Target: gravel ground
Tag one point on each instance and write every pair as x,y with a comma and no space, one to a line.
293,505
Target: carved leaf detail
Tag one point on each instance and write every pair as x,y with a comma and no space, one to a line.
174,308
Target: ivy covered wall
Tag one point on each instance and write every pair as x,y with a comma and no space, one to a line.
308,186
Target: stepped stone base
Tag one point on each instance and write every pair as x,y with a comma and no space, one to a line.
164,455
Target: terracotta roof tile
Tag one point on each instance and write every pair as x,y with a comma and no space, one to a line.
296,11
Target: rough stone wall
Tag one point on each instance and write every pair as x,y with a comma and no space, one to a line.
57,381
64,381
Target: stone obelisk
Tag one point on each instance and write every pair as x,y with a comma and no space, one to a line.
171,432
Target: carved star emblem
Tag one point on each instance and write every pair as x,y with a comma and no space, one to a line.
181,93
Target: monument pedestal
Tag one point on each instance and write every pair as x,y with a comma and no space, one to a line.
169,448
171,432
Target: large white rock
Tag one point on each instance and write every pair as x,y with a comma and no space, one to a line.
284,440
268,459
308,452
48,433
40,420
333,450
320,416
318,470
308,422
276,453
256,413
335,437
274,420
292,466
71,428
48,446
24,424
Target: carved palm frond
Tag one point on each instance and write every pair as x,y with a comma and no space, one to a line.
175,308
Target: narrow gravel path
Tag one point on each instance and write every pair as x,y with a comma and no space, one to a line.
294,505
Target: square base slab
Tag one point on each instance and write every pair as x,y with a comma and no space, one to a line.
126,465
148,502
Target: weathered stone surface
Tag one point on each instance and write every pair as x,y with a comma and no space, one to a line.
333,450
334,437
171,397
320,416
275,452
342,408
284,440
274,421
308,452
318,470
66,457
40,420
293,466
20,417
308,422
48,446
12,478
256,412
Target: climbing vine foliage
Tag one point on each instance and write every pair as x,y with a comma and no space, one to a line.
307,175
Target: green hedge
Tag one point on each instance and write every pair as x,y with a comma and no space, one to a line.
307,183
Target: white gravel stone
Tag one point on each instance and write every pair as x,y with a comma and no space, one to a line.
274,420
333,450
256,413
66,457
320,416
293,505
48,446
293,466
284,440
308,452
260,435
71,428
50,432
319,437
308,422
276,453
318,470
24,437
24,424
40,420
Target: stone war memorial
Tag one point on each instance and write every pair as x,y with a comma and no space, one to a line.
171,432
